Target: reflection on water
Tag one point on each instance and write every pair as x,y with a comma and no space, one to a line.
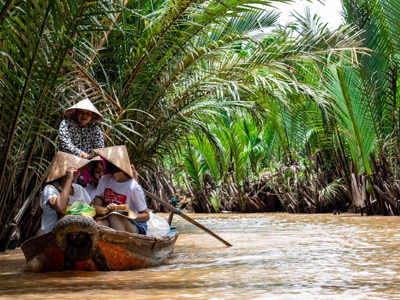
275,256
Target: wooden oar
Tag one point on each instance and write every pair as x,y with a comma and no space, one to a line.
171,208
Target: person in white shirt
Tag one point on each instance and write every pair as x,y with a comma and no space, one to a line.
119,187
97,171
61,189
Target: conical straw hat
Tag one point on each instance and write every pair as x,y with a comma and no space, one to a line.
85,104
96,158
118,156
62,162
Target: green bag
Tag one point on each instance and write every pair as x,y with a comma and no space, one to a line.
81,209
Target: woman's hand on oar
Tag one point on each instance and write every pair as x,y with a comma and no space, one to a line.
170,207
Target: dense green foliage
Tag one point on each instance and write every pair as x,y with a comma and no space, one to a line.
342,112
189,82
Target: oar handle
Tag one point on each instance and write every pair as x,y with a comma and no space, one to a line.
171,208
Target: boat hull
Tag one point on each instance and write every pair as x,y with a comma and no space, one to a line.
115,251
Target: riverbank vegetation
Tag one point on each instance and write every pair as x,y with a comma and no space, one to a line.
218,105
328,142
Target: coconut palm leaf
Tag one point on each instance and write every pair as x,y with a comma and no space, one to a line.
208,154
194,167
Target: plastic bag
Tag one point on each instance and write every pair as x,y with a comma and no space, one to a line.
81,209
157,226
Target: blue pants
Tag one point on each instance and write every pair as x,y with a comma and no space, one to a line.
141,227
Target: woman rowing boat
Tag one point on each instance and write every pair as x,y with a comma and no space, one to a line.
79,134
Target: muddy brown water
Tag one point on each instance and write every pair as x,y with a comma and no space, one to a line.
275,256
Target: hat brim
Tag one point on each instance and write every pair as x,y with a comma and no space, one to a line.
62,162
85,104
72,111
118,156
130,215
96,158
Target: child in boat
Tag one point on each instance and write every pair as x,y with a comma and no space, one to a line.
119,187
61,189
94,173
78,134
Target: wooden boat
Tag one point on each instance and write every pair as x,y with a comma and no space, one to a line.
78,243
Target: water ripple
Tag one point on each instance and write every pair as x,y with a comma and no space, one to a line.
275,256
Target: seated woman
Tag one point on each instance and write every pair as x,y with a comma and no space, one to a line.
121,188
78,134
61,189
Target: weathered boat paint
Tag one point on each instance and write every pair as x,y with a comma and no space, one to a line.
122,251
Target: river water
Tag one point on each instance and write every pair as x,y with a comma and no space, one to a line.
275,256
